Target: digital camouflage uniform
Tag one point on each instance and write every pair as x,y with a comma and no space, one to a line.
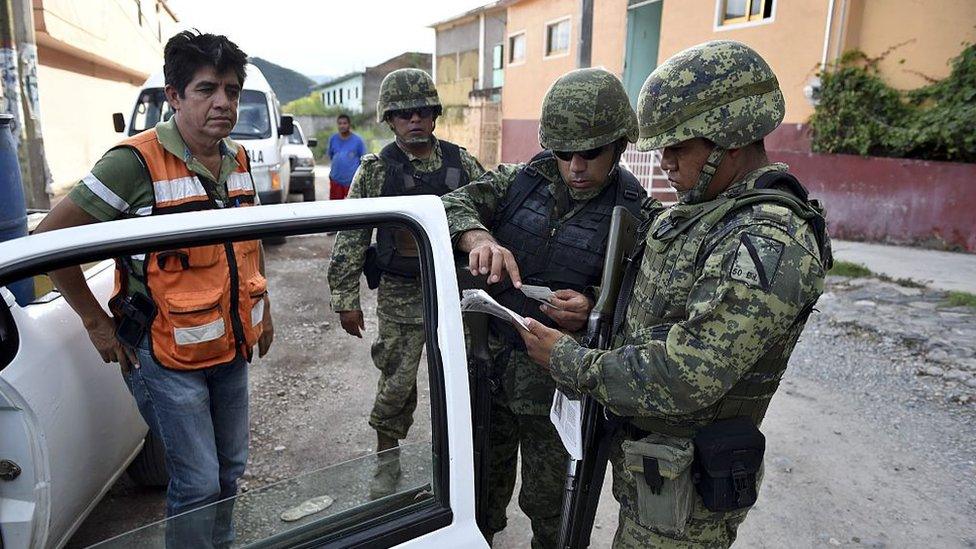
584,109
399,301
721,295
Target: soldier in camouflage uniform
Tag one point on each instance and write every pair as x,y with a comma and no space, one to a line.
416,163
544,223
727,280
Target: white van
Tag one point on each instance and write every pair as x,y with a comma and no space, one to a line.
261,129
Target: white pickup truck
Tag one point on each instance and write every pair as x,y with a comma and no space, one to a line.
69,428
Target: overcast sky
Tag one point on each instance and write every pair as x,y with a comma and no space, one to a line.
329,37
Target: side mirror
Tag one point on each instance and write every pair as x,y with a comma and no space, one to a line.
119,121
312,143
287,125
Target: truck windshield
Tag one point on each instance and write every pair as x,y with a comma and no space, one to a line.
253,120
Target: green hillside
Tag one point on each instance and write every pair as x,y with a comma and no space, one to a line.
287,84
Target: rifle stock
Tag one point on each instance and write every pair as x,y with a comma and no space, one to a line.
584,479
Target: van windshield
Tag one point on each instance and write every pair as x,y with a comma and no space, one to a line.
253,120
151,109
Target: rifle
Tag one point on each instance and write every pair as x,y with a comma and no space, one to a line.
481,383
584,478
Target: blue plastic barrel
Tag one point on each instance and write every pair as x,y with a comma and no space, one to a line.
13,208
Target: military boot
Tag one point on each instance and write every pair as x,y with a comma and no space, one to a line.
387,472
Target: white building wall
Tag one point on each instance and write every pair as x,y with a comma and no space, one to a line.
346,95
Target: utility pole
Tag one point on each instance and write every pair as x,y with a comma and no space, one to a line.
584,55
18,69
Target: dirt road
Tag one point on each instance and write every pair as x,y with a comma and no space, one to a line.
861,451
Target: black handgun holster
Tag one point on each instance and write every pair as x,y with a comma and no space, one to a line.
371,268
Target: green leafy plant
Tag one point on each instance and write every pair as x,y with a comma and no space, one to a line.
860,114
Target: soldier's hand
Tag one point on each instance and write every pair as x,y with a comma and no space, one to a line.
570,309
352,322
539,340
267,331
487,257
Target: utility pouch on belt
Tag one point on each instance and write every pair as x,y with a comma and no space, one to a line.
137,312
371,268
662,470
728,457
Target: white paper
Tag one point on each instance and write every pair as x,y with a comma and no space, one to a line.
566,414
479,301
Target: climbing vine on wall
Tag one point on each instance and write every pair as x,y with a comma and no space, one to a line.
860,114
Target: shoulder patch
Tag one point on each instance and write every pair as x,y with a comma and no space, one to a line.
756,260
369,157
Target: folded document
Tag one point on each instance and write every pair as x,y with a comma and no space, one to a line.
478,301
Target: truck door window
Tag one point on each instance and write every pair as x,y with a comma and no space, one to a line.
312,470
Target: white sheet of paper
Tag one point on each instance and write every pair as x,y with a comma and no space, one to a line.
480,302
566,414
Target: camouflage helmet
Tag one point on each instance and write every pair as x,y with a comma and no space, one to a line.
585,109
406,89
720,90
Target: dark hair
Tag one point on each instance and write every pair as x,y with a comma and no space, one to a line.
344,115
189,50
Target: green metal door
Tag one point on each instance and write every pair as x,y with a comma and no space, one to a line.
643,36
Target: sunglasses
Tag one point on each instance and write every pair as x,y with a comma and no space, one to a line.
567,156
407,114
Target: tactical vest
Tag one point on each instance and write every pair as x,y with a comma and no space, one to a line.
560,254
396,248
209,300
663,280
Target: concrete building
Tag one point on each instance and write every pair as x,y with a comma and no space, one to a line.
357,92
344,92
92,59
469,73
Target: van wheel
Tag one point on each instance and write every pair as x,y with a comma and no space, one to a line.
149,467
308,195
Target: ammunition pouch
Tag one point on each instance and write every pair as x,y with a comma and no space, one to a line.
728,459
371,268
662,469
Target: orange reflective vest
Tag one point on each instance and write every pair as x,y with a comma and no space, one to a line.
209,299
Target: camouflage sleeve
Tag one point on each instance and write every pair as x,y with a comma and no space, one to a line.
739,306
471,165
471,206
349,250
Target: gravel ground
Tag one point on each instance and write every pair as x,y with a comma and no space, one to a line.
862,449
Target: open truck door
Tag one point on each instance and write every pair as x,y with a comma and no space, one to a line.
434,504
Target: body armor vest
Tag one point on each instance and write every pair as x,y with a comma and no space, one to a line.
663,280
560,254
396,248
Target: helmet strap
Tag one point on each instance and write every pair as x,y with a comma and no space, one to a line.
697,193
